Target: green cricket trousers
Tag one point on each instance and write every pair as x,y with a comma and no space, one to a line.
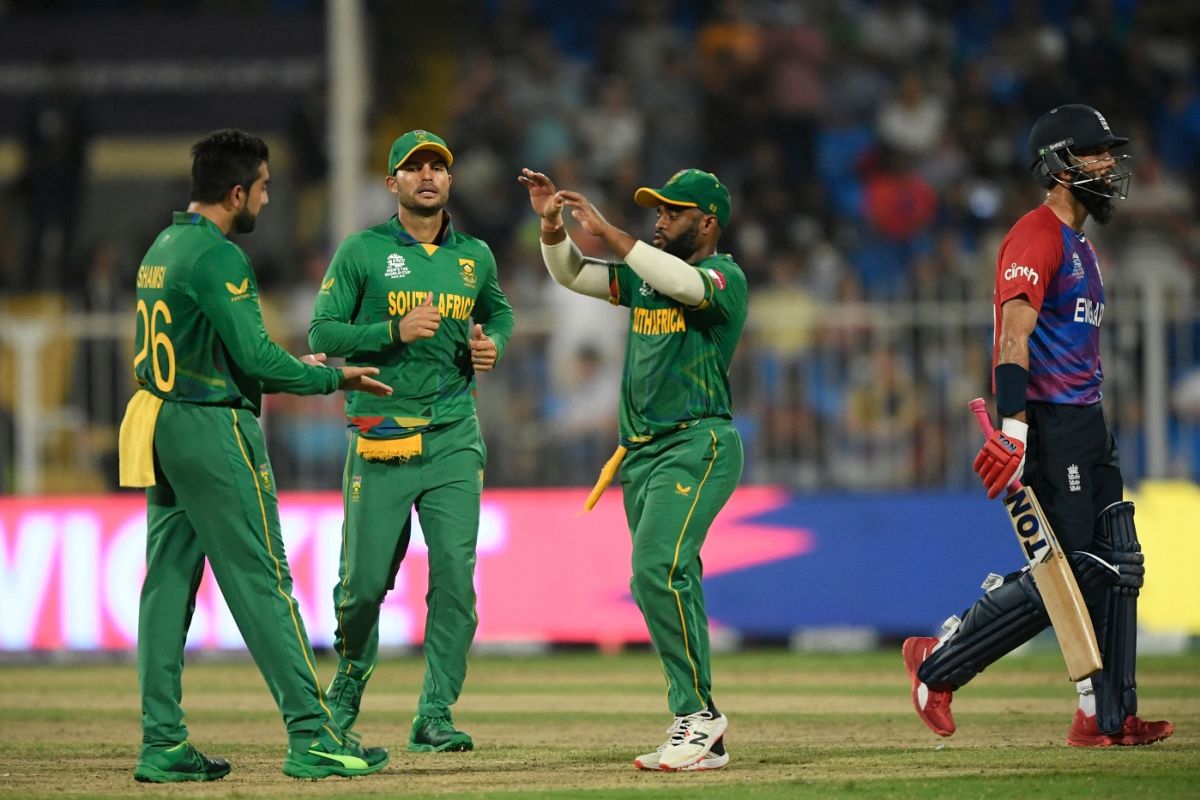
215,499
673,489
444,483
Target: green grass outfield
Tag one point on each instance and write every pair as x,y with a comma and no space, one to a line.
820,726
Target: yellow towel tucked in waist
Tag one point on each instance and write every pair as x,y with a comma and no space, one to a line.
395,451
606,477
135,443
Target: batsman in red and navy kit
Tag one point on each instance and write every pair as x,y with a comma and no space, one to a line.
1048,307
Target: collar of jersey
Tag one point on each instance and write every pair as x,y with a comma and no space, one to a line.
405,238
193,218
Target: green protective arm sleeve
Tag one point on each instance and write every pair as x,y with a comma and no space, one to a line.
237,319
334,330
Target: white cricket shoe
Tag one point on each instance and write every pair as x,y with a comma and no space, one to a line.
691,738
716,758
650,760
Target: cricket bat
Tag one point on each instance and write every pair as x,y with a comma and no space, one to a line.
1051,572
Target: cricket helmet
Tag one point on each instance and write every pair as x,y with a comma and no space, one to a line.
1059,137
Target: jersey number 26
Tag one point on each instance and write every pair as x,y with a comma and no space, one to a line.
158,340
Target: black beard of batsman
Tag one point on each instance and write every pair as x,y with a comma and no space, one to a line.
1099,206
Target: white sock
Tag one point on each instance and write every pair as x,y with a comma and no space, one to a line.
1087,700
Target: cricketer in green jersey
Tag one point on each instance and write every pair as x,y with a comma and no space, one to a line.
679,455
421,301
191,437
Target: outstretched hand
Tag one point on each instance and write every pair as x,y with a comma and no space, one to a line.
547,201
356,379
483,350
585,213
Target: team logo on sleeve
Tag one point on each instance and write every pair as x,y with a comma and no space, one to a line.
1016,270
239,291
717,278
327,285
467,273
395,266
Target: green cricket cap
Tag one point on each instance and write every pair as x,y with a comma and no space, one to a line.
411,142
693,188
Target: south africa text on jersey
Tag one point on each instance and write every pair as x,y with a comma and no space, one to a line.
658,321
151,276
455,306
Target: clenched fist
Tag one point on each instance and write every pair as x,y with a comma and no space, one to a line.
998,461
421,322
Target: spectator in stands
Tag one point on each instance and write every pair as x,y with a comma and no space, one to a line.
104,378
57,130
911,121
584,415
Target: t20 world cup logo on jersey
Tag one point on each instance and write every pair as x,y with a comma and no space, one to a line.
395,266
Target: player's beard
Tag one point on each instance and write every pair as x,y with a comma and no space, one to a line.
683,245
421,207
244,221
1099,206
420,210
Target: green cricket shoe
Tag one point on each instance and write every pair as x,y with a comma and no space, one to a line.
325,757
437,735
345,697
179,763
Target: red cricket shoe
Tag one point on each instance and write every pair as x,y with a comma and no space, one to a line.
932,705
1086,733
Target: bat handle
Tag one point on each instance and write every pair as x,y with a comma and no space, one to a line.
979,407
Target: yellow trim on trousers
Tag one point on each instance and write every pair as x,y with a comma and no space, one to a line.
304,650
687,648
345,551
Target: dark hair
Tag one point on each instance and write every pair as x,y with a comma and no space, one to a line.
225,159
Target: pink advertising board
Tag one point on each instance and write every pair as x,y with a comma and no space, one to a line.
71,569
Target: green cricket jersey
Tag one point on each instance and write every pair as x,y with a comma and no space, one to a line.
200,334
677,357
376,277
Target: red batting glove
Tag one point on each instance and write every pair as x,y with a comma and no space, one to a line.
998,461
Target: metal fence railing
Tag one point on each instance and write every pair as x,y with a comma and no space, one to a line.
856,396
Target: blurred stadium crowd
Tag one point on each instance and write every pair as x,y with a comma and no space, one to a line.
874,151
